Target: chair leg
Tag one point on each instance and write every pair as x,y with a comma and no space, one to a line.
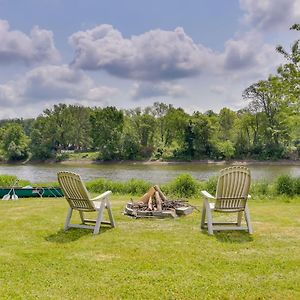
202,225
68,219
248,220
110,214
209,218
239,218
99,218
81,216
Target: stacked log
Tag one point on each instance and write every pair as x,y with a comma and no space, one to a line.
155,203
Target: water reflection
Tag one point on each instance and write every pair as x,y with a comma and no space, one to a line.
151,173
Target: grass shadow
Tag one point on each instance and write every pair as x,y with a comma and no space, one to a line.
238,237
71,235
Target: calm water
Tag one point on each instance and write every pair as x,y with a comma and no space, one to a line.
152,173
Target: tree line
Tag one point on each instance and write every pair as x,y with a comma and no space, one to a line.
267,128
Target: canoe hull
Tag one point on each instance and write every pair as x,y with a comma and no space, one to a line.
32,192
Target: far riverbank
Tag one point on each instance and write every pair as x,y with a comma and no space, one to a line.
198,162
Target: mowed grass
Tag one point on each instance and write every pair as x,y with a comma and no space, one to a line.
147,258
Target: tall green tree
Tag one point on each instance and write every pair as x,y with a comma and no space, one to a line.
14,142
107,126
227,119
266,96
202,135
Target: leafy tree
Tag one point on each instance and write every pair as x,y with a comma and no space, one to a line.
227,120
14,142
203,133
176,120
267,98
79,135
107,126
143,124
226,149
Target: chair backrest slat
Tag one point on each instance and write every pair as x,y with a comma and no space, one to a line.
75,191
233,188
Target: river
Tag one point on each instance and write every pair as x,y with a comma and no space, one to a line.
154,173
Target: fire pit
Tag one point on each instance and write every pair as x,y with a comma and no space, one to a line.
155,204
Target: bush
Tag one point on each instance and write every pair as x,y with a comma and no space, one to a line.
133,186
100,185
182,186
297,186
136,187
61,156
226,149
211,184
10,180
260,188
285,185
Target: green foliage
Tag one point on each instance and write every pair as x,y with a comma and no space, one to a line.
203,131
297,186
61,156
261,188
225,149
211,185
14,142
184,186
107,126
9,180
135,187
227,119
40,146
130,146
285,185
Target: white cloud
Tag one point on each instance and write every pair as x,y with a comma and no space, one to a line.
50,83
250,55
270,14
217,89
143,90
159,56
153,55
16,46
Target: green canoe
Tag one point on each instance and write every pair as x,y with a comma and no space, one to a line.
27,192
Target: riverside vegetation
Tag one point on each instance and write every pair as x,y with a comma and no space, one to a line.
183,186
267,128
151,258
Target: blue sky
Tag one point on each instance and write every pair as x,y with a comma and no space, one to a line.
195,54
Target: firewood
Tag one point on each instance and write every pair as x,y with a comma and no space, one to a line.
150,204
161,194
150,193
158,201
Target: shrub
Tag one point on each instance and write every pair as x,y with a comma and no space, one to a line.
226,149
7,180
132,186
260,188
61,156
10,180
182,186
297,186
211,184
137,186
285,185
99,185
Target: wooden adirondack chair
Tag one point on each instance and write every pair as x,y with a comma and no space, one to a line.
231,197
79,199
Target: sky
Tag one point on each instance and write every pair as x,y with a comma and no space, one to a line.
194,54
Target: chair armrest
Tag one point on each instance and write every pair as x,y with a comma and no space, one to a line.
102,196
207,195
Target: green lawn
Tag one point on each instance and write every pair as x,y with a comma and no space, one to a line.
147,259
